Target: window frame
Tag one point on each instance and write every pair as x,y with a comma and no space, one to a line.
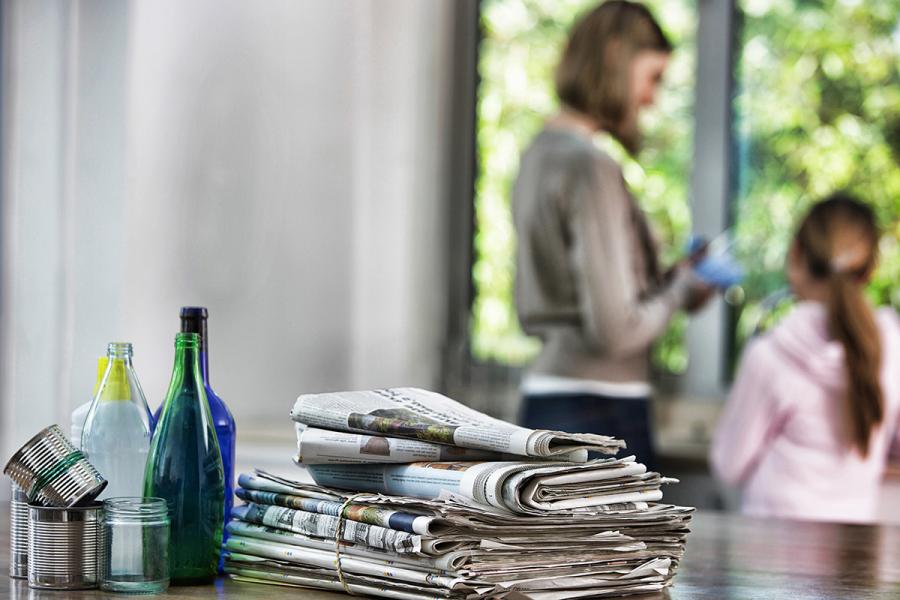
713,186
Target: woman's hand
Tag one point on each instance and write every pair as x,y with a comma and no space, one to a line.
699,292
698,295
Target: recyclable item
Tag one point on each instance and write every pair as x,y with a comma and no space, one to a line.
547,523
194,320
717,266
18,533
80,414
135,555
53,472
116,436
720,271
185,469
63,547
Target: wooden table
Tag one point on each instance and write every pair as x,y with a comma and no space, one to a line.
728,557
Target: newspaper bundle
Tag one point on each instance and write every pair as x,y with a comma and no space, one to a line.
400,547
417,496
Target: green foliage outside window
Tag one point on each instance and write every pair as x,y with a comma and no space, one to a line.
522,43
818,111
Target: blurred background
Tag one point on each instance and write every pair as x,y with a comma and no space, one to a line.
331,179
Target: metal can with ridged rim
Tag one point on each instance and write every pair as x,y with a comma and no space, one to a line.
53,472
64,546
18,533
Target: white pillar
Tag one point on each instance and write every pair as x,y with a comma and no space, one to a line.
710,184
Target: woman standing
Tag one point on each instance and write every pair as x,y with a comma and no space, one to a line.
589,282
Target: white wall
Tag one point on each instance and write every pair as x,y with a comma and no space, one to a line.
280,162
34,204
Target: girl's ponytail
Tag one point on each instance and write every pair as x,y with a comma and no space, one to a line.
839,240
852,323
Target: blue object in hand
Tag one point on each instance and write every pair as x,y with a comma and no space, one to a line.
717,267
721,271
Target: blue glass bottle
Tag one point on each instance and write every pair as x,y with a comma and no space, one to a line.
193,320
185,469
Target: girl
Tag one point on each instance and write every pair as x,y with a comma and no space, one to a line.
814,408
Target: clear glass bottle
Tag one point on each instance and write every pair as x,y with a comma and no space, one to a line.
116,436
185,469
135,553
79,415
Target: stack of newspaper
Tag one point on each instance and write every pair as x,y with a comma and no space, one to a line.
408,494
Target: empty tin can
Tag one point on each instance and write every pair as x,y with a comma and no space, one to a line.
64,545
53,472
18,533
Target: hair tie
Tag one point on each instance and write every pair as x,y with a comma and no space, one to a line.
841,263
848,261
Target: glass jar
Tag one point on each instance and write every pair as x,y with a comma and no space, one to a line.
135,555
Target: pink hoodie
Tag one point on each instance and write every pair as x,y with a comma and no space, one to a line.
779,437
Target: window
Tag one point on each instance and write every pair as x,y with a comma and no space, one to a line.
818,111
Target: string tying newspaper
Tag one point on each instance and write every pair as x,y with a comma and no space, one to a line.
337,542
405,493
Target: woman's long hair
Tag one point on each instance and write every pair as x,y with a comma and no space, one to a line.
593,74
838,239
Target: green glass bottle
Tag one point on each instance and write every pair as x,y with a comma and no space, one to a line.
185,468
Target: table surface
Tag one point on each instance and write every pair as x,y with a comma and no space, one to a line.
728,557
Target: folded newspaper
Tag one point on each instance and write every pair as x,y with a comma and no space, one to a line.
408,494
320,446
388,416
519,487
398,547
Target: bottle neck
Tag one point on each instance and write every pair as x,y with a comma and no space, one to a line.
198,325
186,385
124,361
121,351
187,359
204,366
115,385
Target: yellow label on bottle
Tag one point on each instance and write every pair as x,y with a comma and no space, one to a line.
116,386
101,371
